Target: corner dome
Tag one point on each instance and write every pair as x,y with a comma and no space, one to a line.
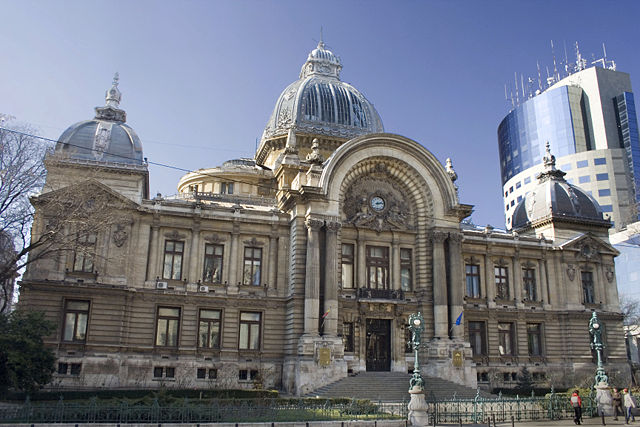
106,138
319,103
555,199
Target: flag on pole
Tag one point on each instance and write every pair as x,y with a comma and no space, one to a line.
324,317
327,313
459,319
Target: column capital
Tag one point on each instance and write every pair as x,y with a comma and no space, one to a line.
438,236
333,226
314,224
455,238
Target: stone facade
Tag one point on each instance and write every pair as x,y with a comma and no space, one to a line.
299,272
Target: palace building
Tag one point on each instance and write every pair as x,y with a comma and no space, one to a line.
301,266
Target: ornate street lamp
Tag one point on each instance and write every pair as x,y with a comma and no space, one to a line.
416,326
595,329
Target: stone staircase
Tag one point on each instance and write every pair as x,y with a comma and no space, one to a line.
391,387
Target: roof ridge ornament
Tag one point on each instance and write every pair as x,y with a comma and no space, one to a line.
111,110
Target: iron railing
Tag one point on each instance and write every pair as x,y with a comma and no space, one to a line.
449,411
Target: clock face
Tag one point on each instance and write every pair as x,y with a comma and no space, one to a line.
377,203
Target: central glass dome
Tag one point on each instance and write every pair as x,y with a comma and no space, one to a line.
319,103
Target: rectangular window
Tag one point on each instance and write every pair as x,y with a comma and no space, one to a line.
473,280
588,295
607,208
169,372
405,269
505,339
252,266
204,373
75,369
527,180
249,331
247,375
348,336
157,372
518,185
63,368
604,192
226,188
84,253
584,179
599,161
377,267
213,255
173,251
566,167
477,337
529,282
534,339
164,372
583,163
209,329
76,316
167,326
347,266
201,373
502,282
602,176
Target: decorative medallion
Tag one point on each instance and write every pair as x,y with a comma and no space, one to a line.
571,272
609,274
101,139
213,238
253,242
120,236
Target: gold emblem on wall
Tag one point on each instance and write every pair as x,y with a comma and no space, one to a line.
457,358
324,356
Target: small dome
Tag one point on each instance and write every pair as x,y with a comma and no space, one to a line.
554,198
319,103
106,138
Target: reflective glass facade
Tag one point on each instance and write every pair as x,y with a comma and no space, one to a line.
628,134
523,133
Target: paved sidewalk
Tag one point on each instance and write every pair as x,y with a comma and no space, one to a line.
568,422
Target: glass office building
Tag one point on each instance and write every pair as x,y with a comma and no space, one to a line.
589,119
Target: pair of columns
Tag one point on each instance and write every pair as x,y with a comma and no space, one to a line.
312,280
447,291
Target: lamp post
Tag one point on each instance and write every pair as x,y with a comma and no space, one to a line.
595,329
416,326
418,405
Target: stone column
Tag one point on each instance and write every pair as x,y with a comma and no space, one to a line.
599,281
312,277
395,263
544,288
234,266
457,282
153,253
194,255
489,278
517,278
273,257
361,275
331,279
439,285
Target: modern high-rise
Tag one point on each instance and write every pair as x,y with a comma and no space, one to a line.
589,119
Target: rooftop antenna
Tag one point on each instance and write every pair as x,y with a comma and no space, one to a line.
539,77
515,77
522,86
556,75
567,69
581,63
321,38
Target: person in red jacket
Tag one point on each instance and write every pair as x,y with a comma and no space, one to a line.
576,403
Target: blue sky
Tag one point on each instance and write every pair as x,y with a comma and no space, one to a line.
200,78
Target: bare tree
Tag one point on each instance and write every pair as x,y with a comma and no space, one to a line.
630,308
65,218
22,174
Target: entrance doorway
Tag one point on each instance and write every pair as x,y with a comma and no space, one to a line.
378,345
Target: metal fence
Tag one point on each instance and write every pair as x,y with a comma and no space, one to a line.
194,411
454,410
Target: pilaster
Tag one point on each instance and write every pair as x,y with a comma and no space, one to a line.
456,282
331,279
440,309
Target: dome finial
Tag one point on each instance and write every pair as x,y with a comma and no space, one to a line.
113,95
321,61
549,159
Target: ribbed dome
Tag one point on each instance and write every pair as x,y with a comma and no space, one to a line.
554,198
106,138
320,104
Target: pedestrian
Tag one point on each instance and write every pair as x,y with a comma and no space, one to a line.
629,405
616,398
576,403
